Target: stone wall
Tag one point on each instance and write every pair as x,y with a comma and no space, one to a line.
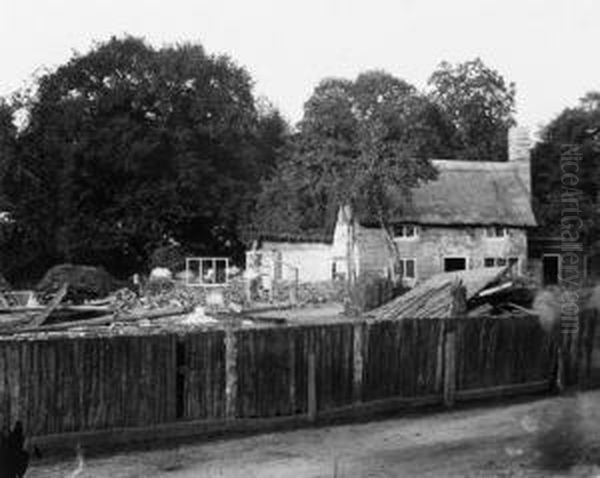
436,243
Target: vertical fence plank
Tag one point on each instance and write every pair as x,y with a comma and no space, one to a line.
312,386
450,367
358,364
231,395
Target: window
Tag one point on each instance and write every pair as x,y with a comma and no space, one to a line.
405,231
496,232
206,271
455,264
501,262
406,268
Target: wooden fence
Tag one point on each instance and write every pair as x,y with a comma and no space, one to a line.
58,385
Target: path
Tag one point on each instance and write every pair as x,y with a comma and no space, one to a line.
557,436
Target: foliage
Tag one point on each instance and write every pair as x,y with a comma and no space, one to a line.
8,151
129,147
357,141
171,256
574,126
480,105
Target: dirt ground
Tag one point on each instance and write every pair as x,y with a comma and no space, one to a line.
558,436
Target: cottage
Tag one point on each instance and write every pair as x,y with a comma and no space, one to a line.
475,214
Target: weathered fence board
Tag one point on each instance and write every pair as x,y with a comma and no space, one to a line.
589,349
65,385
57,386
333,346
203,372
494,352
402,359
265,369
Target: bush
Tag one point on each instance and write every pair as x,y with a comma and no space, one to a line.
171,257
85,282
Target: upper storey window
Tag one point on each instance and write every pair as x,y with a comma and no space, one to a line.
405,231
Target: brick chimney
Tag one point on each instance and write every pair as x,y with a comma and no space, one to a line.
519,147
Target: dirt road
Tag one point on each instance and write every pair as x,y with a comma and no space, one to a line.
551,437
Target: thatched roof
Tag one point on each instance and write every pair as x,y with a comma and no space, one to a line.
433,299
467,193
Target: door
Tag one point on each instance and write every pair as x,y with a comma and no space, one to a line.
551,269
455,264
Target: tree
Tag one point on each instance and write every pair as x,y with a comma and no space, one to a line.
8,146
480,105
357,145
8,152
574,126
133,147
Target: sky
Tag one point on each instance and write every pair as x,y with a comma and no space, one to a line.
545,46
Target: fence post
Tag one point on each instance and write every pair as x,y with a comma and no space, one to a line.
312,387
457,309
294,289
231,385
358,365
450,366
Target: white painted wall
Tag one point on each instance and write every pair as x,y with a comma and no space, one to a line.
313,260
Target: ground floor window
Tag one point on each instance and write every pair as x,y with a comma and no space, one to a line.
455,264
501,262
406,268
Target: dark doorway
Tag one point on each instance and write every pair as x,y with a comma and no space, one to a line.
551,269
455,264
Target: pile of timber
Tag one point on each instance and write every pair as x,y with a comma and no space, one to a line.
488,291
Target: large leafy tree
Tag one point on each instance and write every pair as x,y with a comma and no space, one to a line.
8,152
479,103
357,141
8,146
361,143
132,146
580,127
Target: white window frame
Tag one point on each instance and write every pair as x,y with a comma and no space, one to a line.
496,259
403,260
193,264
494,236
404,237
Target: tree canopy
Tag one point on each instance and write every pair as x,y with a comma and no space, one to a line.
579,126
129,146
360,139
356,141
480,105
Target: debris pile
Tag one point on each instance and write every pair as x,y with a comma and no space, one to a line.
489,291
85,283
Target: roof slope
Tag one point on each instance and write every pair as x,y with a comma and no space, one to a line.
468,193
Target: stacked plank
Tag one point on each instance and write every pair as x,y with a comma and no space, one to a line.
433,297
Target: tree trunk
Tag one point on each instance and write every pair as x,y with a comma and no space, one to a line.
352,307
